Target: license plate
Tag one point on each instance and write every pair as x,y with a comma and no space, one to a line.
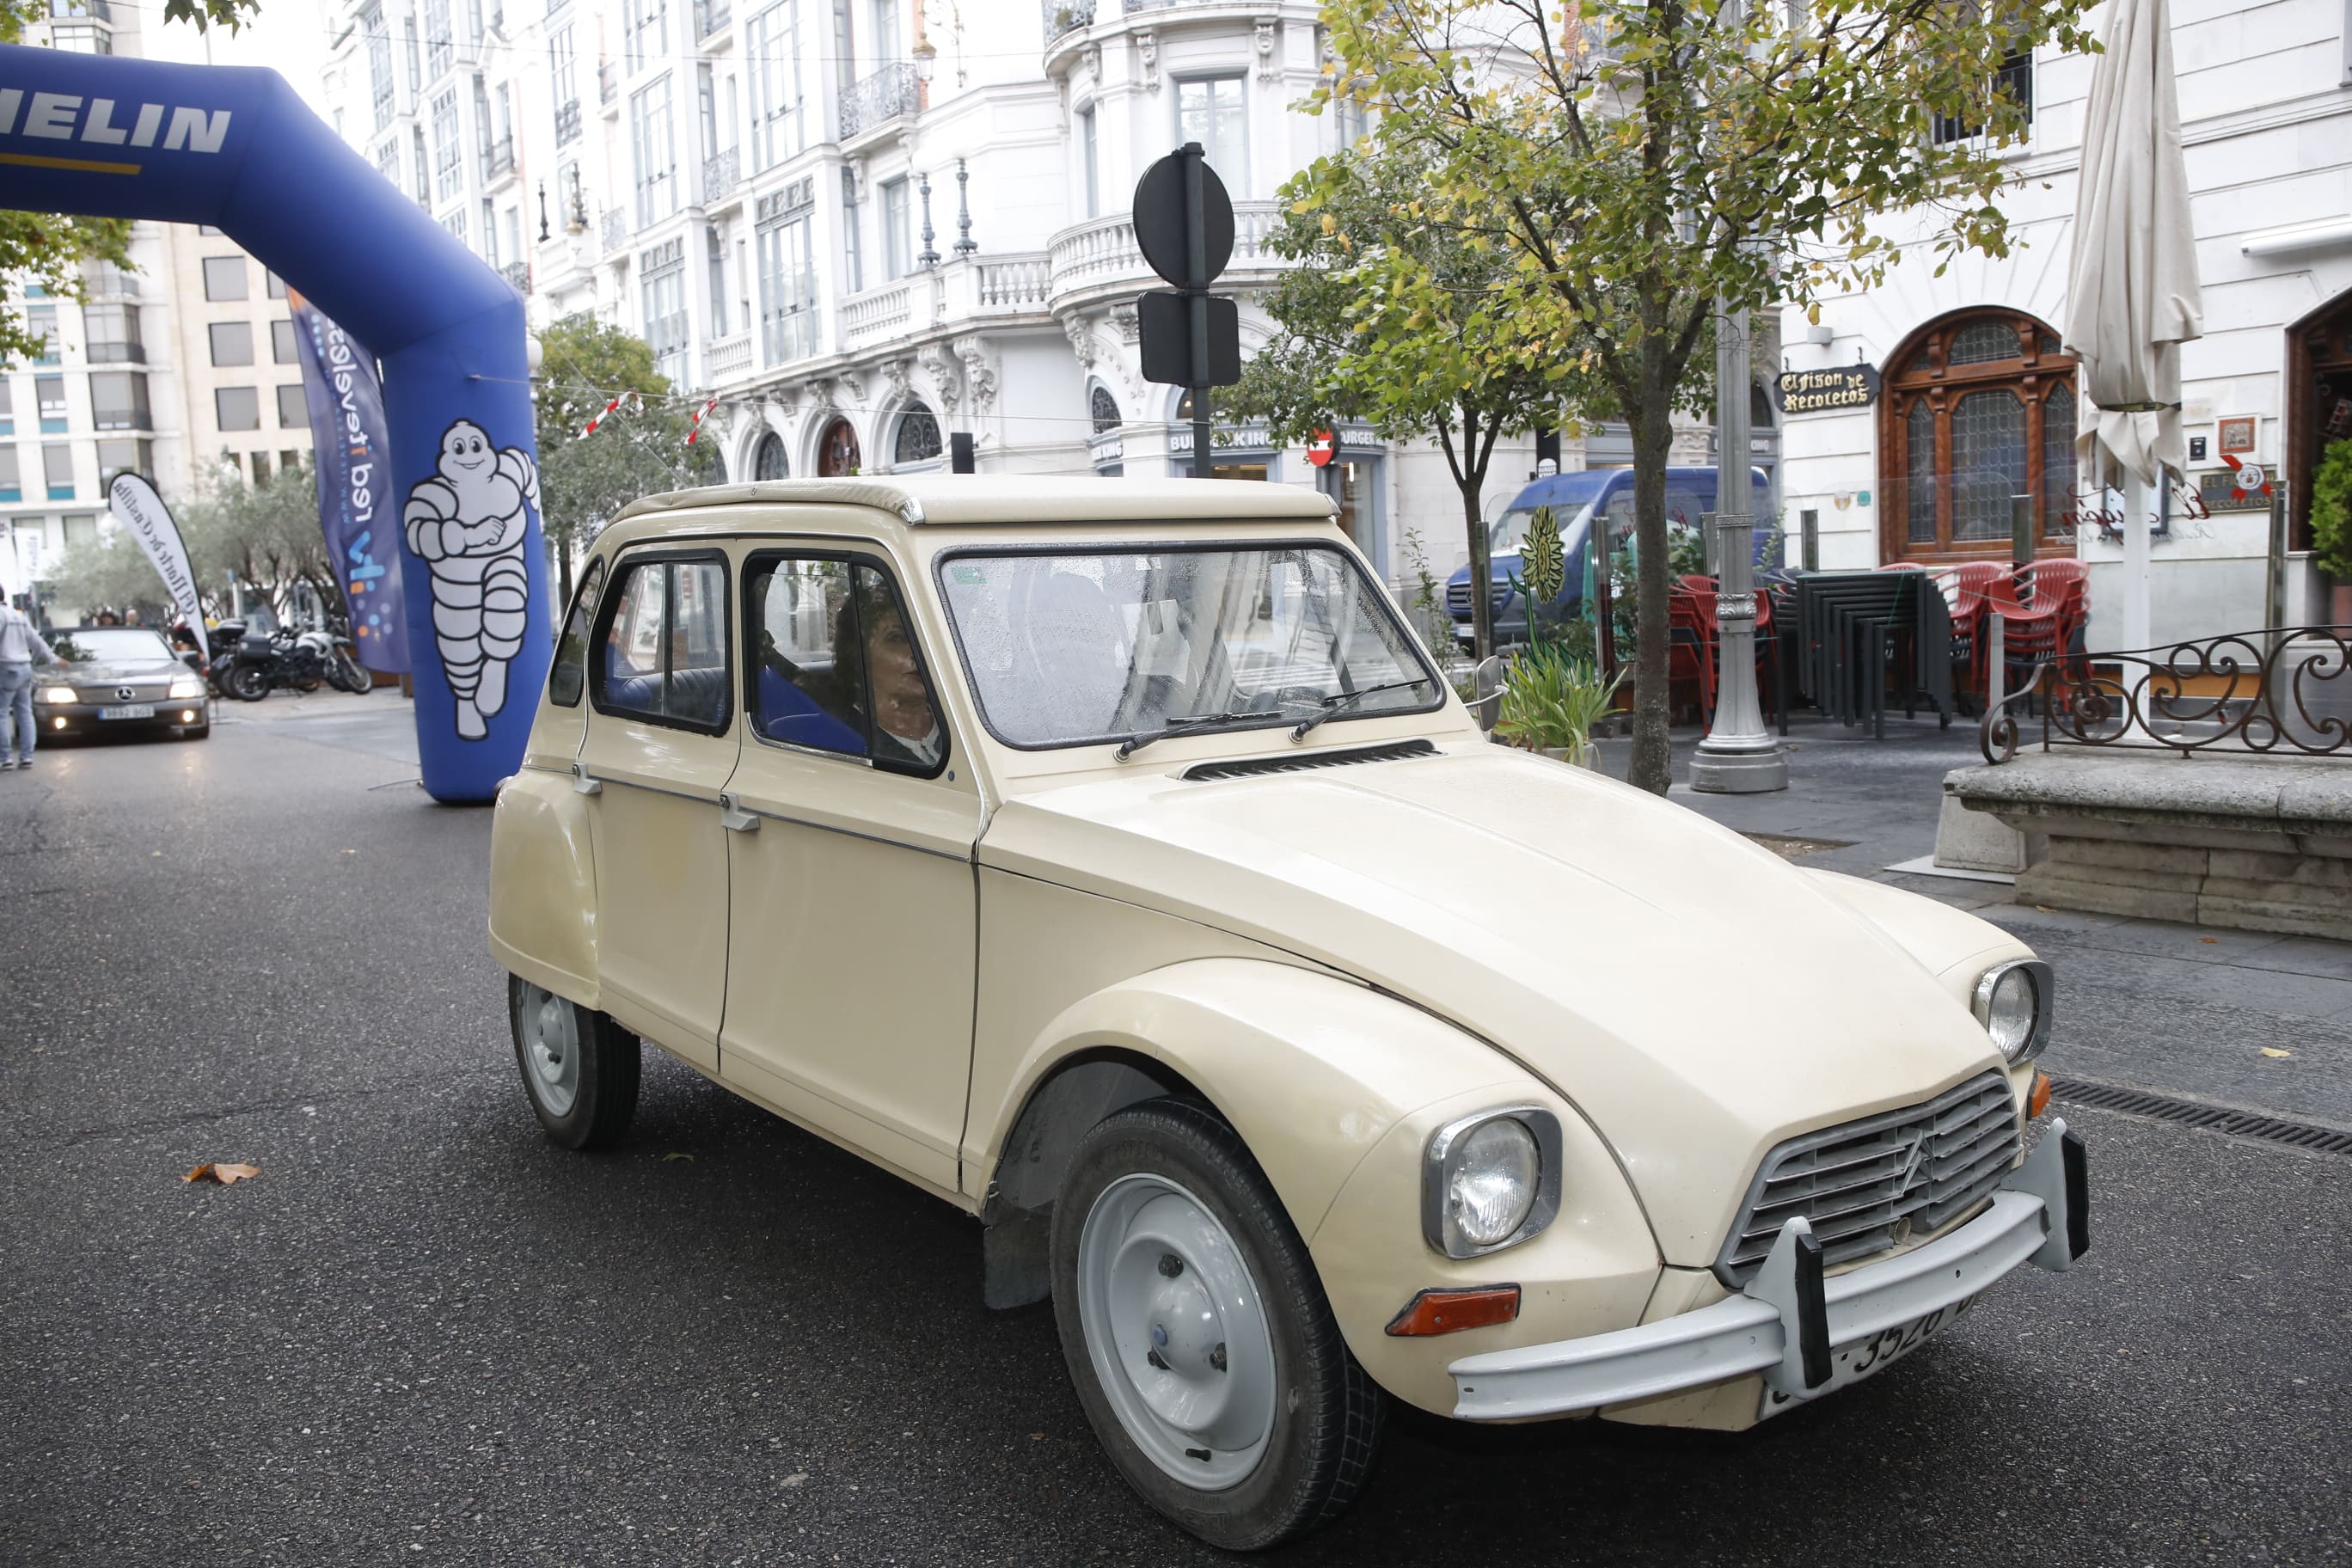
134,710
1867,1357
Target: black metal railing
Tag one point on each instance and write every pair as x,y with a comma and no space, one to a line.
709,16
1067,16
498,158
519,274
721,175
2287,692
608,83
567,121
893,91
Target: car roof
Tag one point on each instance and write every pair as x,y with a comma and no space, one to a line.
1010,498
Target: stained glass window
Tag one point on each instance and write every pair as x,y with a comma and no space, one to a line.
1919,471
1988,462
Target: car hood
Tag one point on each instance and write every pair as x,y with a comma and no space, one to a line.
1696,997
104,672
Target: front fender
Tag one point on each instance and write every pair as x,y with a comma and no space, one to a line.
543,885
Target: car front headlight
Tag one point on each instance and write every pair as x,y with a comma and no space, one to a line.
187,686
2012,1002
59,694
1490,1180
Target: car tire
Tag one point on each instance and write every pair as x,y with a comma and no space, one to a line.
1275,1425
579,1068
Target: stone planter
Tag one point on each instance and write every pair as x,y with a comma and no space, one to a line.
1588,755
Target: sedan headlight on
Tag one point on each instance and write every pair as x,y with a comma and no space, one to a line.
1491,1180
187,686
2012,1002
59,694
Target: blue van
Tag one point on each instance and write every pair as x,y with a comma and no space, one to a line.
1576,500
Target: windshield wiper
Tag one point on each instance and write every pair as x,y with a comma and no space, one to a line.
1339,700
1135,743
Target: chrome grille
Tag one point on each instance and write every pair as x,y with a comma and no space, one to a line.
115,691
1858,1184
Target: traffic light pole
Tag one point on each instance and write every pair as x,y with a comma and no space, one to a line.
1196,290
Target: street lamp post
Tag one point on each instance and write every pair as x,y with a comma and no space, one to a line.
1738,756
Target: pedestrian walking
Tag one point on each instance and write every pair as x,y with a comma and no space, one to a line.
21,646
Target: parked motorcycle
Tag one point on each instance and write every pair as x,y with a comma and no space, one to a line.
264,664
339,656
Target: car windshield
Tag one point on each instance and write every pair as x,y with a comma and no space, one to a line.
1571,500
114,644
1112,644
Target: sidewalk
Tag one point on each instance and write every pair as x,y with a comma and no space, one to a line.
2177,1009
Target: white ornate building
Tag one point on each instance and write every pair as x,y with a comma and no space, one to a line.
865,225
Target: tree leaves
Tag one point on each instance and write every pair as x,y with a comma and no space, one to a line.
225,1174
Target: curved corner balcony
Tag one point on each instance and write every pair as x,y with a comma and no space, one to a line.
1098,261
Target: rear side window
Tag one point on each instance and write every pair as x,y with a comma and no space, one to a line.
835,664
565,680
663,648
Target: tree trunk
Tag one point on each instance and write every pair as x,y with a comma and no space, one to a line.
1482,593
1651,423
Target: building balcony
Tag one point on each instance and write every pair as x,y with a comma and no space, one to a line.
1067,16
117,353
879,314
881,98
720,175
608,85
710,15
729,358
76,10
1099,258
517,273
616,231
567,123
1011,284
497,160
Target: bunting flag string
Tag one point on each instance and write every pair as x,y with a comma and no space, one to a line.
600,418
694,426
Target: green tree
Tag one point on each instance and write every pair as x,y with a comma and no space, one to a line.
268,534
1404,323
48,250
1642,165
640,449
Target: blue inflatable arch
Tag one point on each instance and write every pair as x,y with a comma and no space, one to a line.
236,148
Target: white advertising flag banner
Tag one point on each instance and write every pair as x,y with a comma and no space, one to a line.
137,507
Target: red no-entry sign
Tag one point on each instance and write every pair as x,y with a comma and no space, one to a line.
1320,450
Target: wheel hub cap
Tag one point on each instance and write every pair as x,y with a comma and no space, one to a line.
550,1048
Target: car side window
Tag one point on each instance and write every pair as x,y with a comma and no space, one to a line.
664,645
835,664
570,675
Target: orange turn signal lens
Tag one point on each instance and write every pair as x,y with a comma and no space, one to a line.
2037,1098
1451,1312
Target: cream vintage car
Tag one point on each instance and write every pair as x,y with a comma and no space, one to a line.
1107,859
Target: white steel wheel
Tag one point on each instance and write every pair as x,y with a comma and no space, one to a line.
1197,1335
579,1068
1177,1332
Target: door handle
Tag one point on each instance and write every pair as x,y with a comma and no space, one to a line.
734,818
582,783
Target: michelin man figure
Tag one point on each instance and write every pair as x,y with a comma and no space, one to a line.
468,523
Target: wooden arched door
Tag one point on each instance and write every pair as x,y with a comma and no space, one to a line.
836,451
2318,400
1976,408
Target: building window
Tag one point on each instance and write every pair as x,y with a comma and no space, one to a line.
125,457
486,148
237,408
715,264
652,139
853,256
415,59
49,393
644,31
113,334
7,409
782,234
379,57
1104,407
772,55
917,437
424,167
439,46
57,469
768,462
449,155
2013,81
293,410
661,274
1979,410
563,85
281,342
1093,162
82,529
232,342
41,321
11,484
885,37
387,161
260,461
225,278
118,400
898,237
1211,111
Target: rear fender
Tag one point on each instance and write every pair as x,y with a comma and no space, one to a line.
543,885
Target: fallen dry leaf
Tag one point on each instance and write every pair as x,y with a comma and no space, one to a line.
2210,939
226,1174
2274,1051
2045,909
676,1154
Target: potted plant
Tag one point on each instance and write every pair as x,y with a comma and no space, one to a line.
2331,525
1552,701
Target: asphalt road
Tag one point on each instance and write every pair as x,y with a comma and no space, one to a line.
423,1334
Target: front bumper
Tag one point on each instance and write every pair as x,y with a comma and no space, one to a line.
83,718
1790,1321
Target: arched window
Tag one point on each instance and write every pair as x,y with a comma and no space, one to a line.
768,462
918,440
836,451
1977,409
1105,409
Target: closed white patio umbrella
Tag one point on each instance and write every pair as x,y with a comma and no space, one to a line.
2132,292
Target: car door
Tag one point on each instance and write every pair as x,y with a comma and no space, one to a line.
660,744
851,944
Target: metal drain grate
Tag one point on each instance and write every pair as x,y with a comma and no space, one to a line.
2215,1118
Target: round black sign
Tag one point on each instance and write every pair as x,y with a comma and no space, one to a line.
1160,220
